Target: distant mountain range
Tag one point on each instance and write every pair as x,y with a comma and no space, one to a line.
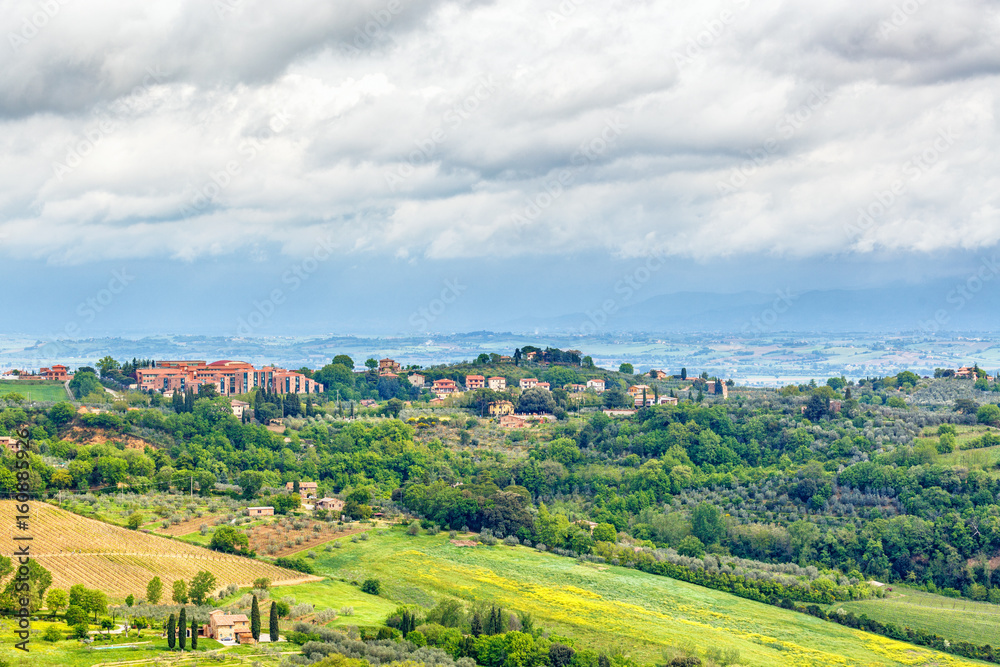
942,306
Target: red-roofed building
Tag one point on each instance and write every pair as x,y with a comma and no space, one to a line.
475,382
528,383
445,386
497,383
56,372
229,377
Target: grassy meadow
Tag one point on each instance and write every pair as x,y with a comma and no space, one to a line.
601,607
34,391
955,619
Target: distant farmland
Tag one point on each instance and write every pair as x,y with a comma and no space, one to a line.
77,550
35,391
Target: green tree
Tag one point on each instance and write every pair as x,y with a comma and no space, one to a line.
201,586
130,600
691,547
536,401
75,615
988,414
371,364
229,540
135,520
707,524
626,368
194,634
95,601
272,623
106,365
588,362
171,632
180,592
52,634
81,630
38,581
154,590
344,360
182,628
605,532
255,619
372,586
394,407
56,601
62,413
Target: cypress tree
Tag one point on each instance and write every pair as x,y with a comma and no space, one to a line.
194,635
182,628
476,626
255,620
272,622
171,633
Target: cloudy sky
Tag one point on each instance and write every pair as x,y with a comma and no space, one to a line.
347,160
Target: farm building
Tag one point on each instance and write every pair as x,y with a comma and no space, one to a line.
260,511
335,504
225,627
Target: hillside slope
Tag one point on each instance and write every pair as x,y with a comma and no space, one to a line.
118,561
610,608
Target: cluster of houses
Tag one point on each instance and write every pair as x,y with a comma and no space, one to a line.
447,387
56,372
307,493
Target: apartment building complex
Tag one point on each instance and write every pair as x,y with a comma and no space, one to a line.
229,377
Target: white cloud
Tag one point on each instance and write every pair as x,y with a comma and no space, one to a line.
169,130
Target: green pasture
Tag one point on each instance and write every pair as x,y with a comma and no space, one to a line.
953,619
34,391
604,607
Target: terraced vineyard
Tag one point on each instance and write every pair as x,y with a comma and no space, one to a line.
77,550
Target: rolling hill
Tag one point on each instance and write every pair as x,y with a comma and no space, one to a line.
118,561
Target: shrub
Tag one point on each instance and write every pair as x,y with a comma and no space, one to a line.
52,634
372,586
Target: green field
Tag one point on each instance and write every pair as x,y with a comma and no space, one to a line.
34,391
604,607
954,619
333,594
